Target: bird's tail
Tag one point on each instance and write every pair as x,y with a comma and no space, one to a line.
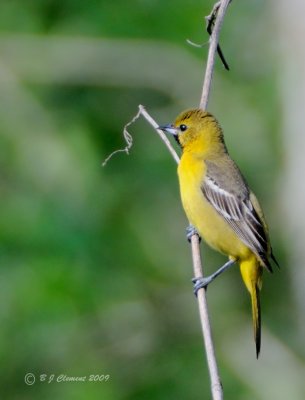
251,272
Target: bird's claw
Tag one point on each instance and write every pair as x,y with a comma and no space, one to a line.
200,283
190,231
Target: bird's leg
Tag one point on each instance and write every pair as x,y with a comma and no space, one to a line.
204,282
190,231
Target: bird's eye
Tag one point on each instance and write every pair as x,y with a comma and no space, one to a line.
183,128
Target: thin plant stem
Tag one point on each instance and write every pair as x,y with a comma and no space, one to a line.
216,386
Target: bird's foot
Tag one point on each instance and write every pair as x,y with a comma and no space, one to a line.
190,231
200,283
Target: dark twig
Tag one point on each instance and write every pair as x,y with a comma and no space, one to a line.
210,20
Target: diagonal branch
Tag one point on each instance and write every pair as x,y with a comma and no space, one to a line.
219,11
216,387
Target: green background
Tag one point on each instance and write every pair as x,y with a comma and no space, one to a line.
94,266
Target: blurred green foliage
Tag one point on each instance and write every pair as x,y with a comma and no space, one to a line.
94,265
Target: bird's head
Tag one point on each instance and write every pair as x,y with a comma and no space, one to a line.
195,130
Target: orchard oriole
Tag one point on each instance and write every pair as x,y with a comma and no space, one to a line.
219,204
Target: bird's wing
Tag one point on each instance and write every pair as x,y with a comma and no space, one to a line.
236,207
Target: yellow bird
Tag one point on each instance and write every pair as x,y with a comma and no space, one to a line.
220,205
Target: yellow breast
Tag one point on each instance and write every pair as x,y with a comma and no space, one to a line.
210,225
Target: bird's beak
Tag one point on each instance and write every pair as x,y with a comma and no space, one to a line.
169,128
